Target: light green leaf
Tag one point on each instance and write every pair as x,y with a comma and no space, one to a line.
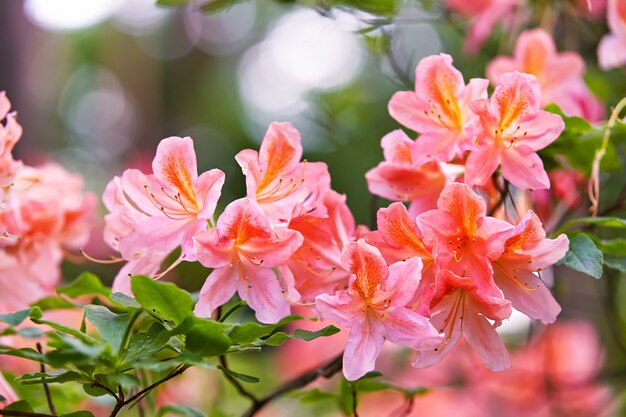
162,298
583,256
243,377
111,326
86,284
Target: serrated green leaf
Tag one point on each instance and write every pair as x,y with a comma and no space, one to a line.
162,298
57,376
279,338
206,337
583,256
243,377
86,284
180,410
111,326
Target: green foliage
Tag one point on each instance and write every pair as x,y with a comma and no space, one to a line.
86,284
163,299
180,410
583,256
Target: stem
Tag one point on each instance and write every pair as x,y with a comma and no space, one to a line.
327,370
593,187
46,388
504,193
235,383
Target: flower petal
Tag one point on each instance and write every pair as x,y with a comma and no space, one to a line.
218,288
363,346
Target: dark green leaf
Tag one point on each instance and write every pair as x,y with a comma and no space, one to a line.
143,344
583,256
346,397
86,283
207,337
243,377
162,298
180,410
57,376
315,396
82,413
21,405
53,303
237,306
111,326
249,332
279,338
24,353
95,390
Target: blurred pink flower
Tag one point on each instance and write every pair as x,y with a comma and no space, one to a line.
6,392
10,133
277,180
559,74
438,110
484,15
612,47
399,178
243,248
374,308
512,129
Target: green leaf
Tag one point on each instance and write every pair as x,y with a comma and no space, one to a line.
53,303
123,299
237,306
614,251
214,6
206,337
180,410
346,397
249,332
315,396
24,353
243,377
279,338
21,405
86,283
583,256
82,413
14,319
170,3
57,376
111,326
162,298
113,380
67,330
143,344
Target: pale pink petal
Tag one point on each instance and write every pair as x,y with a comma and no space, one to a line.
616,16
342,308
441,146
494,233
404,183
612,51
476,89
209,186
516,98
397,147
6,392
404,278
407,328
158,234
564,69
481,164
147,265
218,288
542,130
499,66
248,160
272,252
264,294
210,250
366,262
5,105
547,252
243,219
363,346
399,230
525,171
527,293
281,148
407,110
175,164
484,339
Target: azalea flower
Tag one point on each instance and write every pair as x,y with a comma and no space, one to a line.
512,129
438,110
400,178
374,308
559,74
526,252
243,248
612,47
10,133
6,392
277,180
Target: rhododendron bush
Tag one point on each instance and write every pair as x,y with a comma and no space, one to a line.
493,196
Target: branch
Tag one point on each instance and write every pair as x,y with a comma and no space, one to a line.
235,383
504,193
149,388
46,388
327,370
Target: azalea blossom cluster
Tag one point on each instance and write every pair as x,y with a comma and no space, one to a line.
44,214
429,274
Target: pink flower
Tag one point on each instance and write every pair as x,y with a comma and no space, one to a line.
559,74
278,181
485,15
438,110
398,238
374,308
398,178
150,215
526,251
243,248
49,212
512,129
10,133
6,392
612,47
316,265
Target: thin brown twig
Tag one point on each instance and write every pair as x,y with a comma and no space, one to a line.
235,383
46,388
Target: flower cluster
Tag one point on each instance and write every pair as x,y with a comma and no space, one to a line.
43,213
429,274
